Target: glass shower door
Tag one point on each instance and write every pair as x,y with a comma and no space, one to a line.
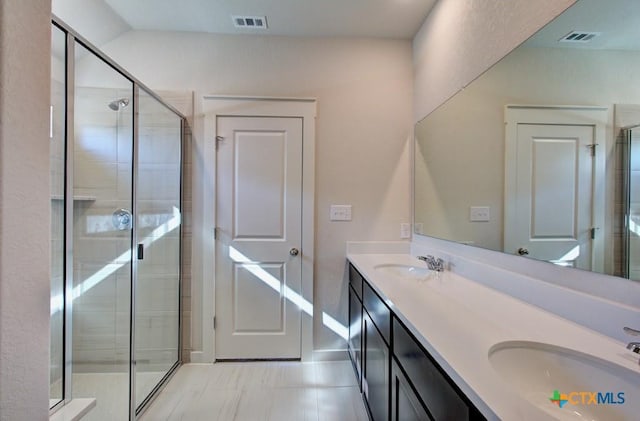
157,285
102,152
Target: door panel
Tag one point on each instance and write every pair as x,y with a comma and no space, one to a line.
554,199
267,303
260,185
259,210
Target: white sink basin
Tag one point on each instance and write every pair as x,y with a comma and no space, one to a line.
537,370
404,271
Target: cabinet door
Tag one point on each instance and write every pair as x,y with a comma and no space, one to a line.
405,405
439,393
375,380
355,333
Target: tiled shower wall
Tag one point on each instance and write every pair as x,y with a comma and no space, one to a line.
183,102
103,184
633,251
619,245
627,181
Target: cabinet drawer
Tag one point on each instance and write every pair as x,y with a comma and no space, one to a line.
355,280
442,399
378,310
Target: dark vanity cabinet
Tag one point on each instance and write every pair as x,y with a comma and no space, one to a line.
399,379
373,334
355,323
377,355
405,403
421,387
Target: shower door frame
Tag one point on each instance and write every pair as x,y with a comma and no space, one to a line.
626,199
72,37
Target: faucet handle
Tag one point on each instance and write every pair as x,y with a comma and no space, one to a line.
634,347
631,331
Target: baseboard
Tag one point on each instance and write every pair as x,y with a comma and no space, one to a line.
330,355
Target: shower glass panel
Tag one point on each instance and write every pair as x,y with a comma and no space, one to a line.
632,160
157,293
57,180
102,235
115,158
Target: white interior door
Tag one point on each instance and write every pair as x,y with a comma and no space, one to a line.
258,256
550,204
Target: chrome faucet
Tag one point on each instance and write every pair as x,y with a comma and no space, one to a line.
633,346
433,263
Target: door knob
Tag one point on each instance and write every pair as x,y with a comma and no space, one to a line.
294,251
523,251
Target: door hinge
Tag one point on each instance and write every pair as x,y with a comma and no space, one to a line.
215,233
214,322
592,148
593,232
218,140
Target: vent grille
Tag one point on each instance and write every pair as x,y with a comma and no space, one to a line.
250,22
579,36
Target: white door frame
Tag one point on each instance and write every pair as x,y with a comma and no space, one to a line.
204,205
600,118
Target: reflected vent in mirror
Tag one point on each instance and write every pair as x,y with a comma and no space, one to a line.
250,22
579,36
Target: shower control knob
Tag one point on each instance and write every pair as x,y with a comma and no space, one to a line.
294,251
122,219
523,251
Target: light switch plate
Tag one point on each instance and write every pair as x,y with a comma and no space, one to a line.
479,214
340,213
405,230
419,227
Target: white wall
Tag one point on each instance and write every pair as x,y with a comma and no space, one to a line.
460,39
363,88
24,217
94,19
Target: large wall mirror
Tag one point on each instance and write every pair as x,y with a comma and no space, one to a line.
540,156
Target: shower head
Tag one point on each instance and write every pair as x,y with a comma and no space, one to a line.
119,103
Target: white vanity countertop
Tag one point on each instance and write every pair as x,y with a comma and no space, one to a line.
458,321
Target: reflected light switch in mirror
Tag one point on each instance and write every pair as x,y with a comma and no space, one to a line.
340,213
479,214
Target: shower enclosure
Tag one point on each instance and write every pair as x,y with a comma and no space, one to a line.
629,245
116,217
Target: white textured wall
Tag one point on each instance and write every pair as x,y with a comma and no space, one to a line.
93,19
460,39
363,88
25,207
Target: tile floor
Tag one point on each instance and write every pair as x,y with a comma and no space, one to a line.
319,391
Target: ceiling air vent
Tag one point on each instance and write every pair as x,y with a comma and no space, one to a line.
250,22
579,36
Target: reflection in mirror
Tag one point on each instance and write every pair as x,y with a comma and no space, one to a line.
532,159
